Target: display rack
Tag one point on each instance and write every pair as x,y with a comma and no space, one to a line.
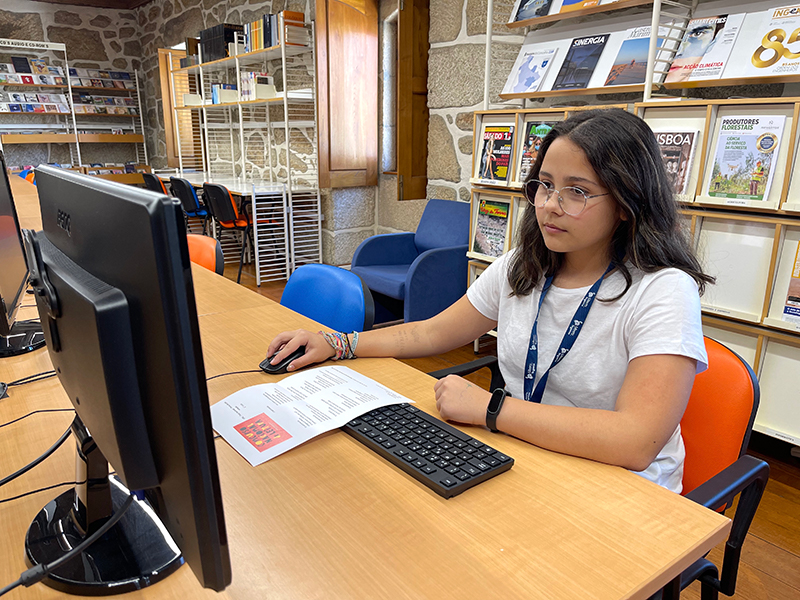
751,247
52,128
268,144
70,127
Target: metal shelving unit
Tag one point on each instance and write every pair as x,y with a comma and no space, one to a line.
267,145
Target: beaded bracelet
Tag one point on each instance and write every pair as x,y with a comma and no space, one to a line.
340,342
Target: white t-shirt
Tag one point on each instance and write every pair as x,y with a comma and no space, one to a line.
659,314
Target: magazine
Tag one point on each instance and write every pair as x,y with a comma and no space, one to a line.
570,5
677,152
529,70
490,228
496,144
529,9
705,48
745,152
580,62
791,308
772,45
630,66
533,133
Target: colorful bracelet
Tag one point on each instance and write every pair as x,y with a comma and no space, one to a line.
340,342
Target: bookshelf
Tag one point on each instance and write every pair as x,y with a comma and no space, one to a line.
752,249
107,112
267,143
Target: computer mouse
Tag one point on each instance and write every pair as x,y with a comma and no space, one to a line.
281,366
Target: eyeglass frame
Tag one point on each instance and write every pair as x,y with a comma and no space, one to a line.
550,192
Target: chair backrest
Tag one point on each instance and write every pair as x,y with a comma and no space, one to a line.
184,192
221,202
154,183
444,223
335,297
719,418
206,252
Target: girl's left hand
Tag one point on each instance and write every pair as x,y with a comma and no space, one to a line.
459,400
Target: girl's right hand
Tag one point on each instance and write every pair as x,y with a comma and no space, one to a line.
317,348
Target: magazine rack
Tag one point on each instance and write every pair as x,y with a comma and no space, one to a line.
750,246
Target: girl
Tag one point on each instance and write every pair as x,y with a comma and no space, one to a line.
597,310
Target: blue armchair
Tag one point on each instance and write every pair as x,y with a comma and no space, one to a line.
426,271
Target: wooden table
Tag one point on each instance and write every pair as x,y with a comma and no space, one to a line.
331,519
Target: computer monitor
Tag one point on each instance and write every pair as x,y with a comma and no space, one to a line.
15,337
113,285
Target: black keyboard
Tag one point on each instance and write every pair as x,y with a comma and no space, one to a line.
445,459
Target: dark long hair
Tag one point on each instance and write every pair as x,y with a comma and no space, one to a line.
624,154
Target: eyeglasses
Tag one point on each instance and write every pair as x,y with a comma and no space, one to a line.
572,200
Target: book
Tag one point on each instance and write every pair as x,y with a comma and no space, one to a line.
43,79
579,64
51,108
529,70
38,66
32,98
54,71
771,45
14,107
630,66
705,48
791,306
529,9
18,97
7,68
570,5
490,226
21,64
533,133
27,79
13,78
744,154
677,152
496,144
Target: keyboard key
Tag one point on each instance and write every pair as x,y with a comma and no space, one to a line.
492,462
470,469
419,463
479,464
365,429
502,457
388,444
355,423
400,452
479,455
452,470
428,469
442,464
462,475
448,481
475,443
488,450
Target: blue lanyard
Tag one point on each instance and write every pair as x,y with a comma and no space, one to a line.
570,336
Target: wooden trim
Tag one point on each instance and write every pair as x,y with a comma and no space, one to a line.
718,102
701,173
323,106
168,104
615,89
110,138
787,176
572,14
793,78
37,138
773,260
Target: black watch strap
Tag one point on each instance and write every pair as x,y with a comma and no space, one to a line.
494,408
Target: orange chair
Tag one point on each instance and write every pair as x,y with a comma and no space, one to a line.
206,252
716,429
226,212
154,183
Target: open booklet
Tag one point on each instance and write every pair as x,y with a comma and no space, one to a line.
263,421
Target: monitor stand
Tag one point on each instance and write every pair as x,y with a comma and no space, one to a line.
135,553
25,336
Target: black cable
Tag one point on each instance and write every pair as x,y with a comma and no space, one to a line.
44,489
37,573
234,373
36,461
41,410
32,378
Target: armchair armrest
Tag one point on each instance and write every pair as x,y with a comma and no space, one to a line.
489,362
385,249
749,476
435,280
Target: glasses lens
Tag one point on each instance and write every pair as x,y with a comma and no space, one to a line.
537,192
573,200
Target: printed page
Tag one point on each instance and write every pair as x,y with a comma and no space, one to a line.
263,421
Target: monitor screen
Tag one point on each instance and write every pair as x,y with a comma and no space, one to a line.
13,268
113,286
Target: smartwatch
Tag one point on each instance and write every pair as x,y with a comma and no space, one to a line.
493,410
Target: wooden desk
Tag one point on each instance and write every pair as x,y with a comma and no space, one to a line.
331,519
